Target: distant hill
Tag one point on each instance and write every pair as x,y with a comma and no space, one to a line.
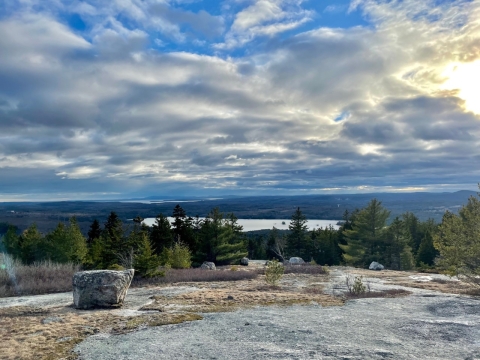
48,214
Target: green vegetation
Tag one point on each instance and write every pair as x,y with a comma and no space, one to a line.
458,241
274,272
366,235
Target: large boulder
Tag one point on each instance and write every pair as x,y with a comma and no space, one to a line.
100,288
244,261
296,261
376,266
208,265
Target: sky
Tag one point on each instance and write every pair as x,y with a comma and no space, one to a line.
116,99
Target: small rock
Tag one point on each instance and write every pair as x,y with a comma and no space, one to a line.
229,297
208,265
244,261
52,319
65,338
376,266
247,323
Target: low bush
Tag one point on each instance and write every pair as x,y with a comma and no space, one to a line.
355,285
274,272
378,294
195,275
45,277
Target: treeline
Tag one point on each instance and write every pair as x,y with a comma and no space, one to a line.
364,236
187,241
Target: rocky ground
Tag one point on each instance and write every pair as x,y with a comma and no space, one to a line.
306,317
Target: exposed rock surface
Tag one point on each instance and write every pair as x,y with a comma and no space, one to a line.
244,261
417,327
376,266
296,261
208,265
100,288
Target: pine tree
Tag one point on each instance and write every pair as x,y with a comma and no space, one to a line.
31,243
426,252
276,245
297,241
220,240
183,228
65,244
161,235
113,241
364,240
146,262
94,232
458,242
11,242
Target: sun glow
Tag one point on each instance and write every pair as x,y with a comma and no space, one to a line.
465,77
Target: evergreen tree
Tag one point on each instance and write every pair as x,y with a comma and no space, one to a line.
256,247
297,241
426,252
398,253
161,235
146,261
113,242
276,245
325,249
183,228
221,241
458,241
11,242
65,244
412,229
94,232
31,243
365,239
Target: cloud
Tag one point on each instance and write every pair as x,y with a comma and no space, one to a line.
264,18
321,109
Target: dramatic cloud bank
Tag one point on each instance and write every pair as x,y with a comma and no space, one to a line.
131,98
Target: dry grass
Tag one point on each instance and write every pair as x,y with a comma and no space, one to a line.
215,300
23,335
196,275
305,268
391,293
39,278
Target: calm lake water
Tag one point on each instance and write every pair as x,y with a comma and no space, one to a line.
260,224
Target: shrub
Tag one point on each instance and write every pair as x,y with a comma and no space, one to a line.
177,257
116,267
39,278
274,272
234,268
355,285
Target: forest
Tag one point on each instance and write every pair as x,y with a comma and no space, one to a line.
367,234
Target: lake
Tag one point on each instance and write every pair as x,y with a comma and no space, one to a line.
260,224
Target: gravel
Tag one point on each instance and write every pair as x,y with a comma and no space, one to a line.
413,327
